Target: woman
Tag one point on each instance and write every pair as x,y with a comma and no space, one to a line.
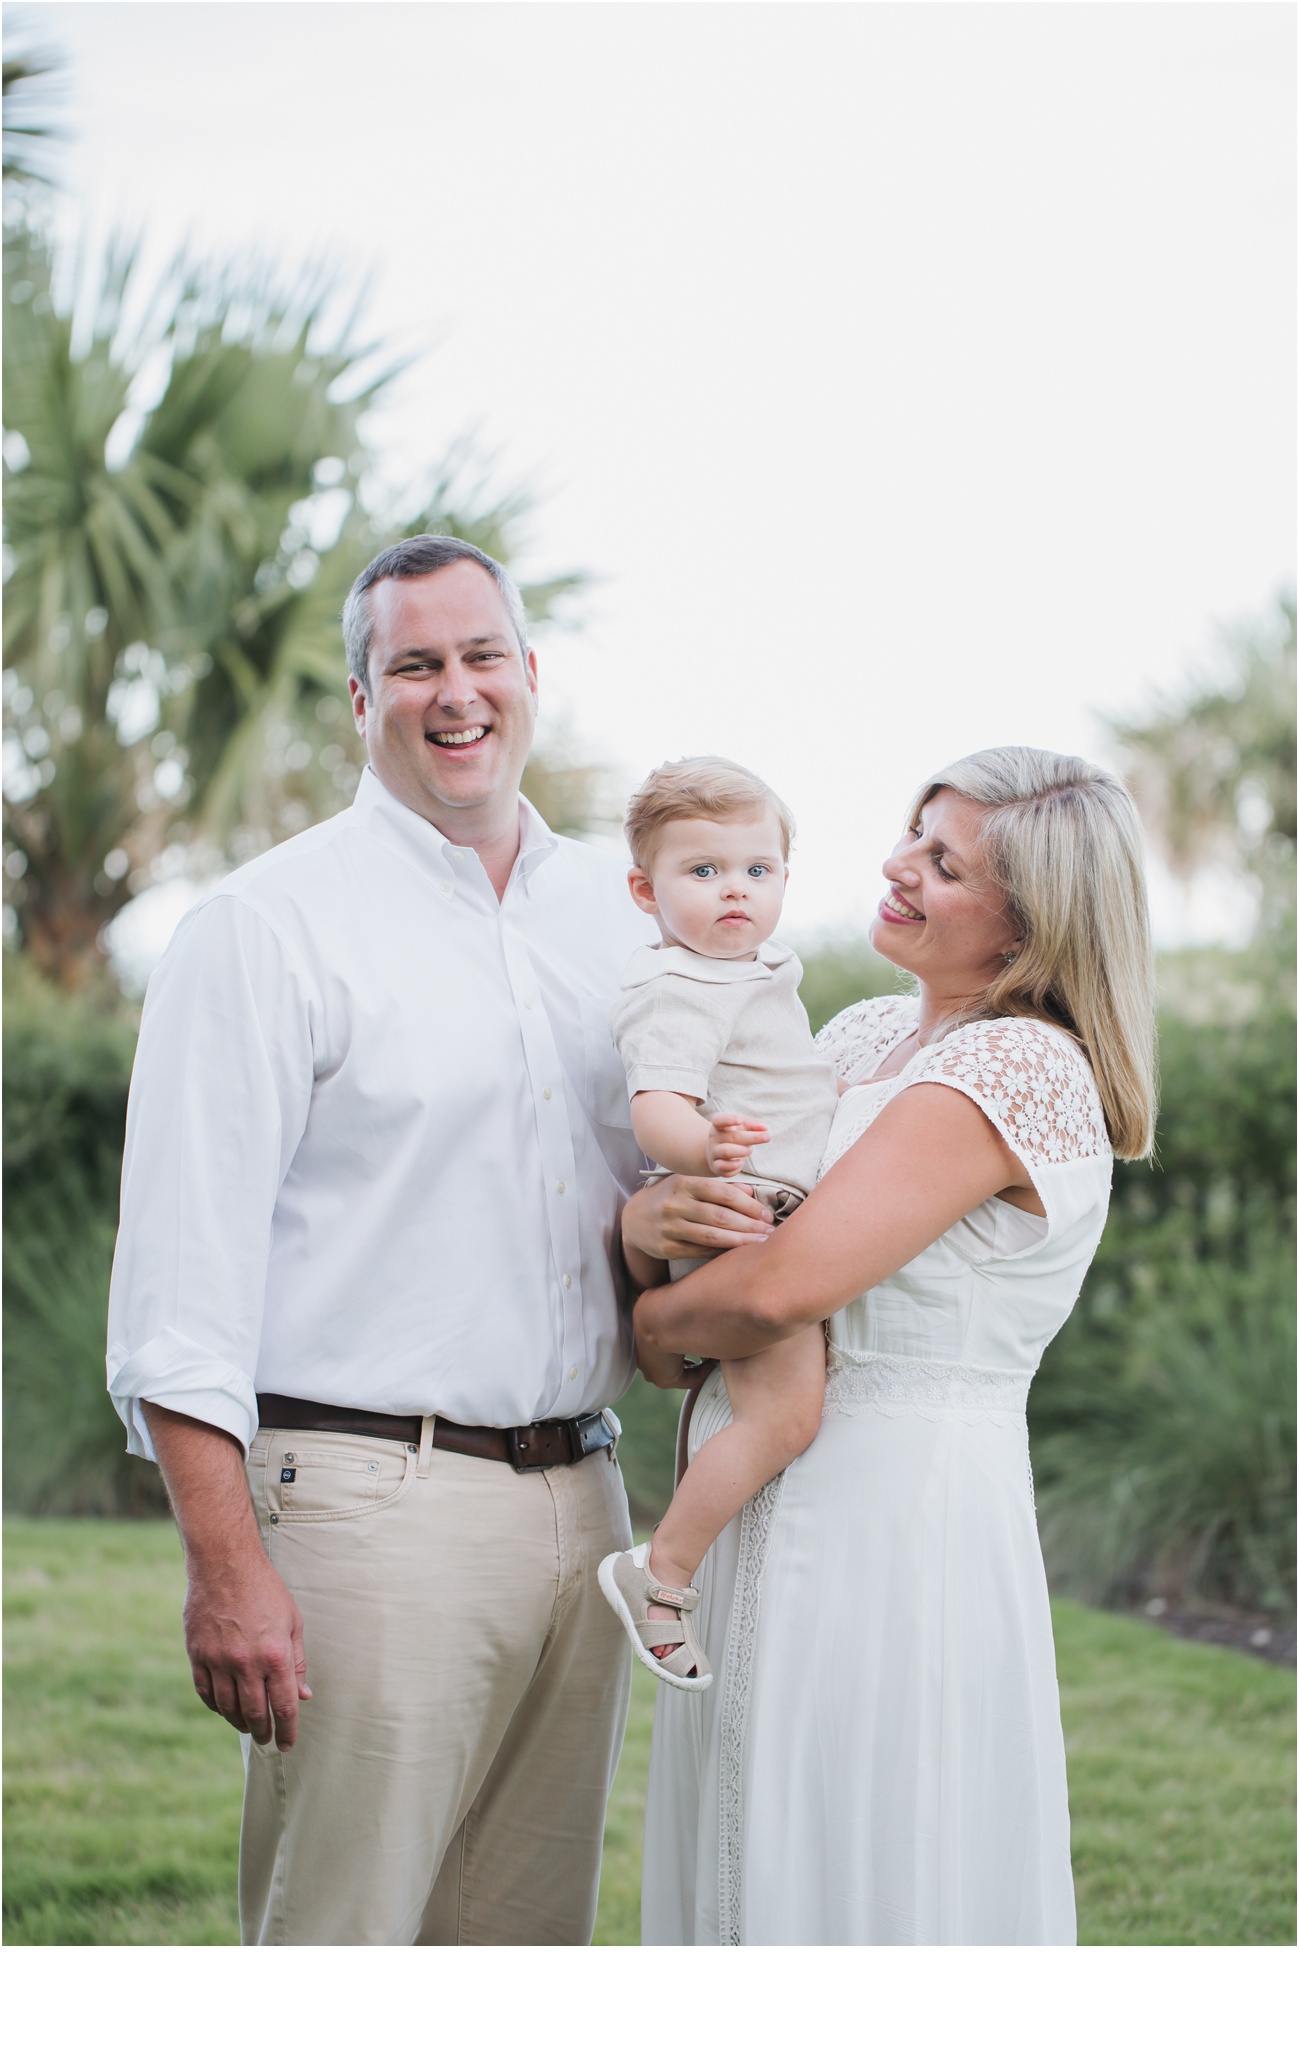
880,1760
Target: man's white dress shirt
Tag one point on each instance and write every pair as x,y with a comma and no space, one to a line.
379,1137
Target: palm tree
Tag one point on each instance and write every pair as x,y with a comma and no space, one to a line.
140,539
184,517
178,566
1212,765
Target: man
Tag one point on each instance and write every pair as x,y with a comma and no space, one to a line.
377,1145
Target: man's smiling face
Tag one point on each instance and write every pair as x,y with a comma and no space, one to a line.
452,700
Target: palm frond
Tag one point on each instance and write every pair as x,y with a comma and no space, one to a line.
32,135
1212,764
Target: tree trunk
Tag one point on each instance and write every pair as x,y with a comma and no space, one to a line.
63,932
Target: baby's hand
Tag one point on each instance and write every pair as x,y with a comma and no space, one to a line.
730,1140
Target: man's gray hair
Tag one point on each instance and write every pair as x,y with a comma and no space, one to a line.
422,556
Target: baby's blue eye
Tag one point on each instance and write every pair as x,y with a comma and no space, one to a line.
759,868
703,870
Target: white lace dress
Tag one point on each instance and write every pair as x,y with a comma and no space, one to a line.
879,1759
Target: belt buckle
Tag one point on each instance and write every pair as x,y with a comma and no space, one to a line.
569,1431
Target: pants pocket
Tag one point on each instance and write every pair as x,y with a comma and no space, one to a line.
318,1476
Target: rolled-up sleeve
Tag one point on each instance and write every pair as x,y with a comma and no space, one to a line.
219,1101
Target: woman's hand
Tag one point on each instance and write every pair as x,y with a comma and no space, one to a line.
683,1217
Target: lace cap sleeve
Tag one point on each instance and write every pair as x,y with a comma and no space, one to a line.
1031,1081
857,1039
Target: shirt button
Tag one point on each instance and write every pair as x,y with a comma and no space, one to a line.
568,1279
445,887
572,1372
559,1187
527,1002
545,1094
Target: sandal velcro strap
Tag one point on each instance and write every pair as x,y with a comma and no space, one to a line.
684,1598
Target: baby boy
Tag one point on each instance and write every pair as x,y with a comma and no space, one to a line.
711,1029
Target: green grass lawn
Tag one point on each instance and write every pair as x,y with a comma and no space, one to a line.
122,1792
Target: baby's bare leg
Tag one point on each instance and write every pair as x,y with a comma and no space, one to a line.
776,1399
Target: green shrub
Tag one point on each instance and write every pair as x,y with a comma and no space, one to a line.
838,972
1181,1482
64,1447
67,1071
1163,1416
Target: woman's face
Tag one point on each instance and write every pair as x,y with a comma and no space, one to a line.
944,919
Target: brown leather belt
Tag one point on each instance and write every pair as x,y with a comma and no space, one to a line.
530,1449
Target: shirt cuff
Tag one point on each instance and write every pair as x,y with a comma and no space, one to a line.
672,1080
181,1376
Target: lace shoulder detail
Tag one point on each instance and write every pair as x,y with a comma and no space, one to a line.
1032,1082
858,1038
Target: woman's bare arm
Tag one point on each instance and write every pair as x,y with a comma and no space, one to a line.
930,1157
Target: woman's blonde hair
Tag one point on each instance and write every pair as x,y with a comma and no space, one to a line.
702,786
1062,840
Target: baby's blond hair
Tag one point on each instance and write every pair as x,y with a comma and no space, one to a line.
703,786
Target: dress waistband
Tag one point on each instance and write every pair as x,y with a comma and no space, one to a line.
879,1380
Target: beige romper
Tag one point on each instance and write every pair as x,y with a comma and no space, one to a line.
734,1035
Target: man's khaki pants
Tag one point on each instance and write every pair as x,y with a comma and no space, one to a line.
469,1693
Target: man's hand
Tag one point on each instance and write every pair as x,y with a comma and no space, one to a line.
665,1368
243,1630
683,1217
730,1140
243,1633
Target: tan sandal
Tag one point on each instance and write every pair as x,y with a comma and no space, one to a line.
627,1584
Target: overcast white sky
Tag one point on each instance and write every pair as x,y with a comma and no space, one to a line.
914,377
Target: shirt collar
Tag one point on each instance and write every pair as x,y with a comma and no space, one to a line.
536,840
380,810
647,963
